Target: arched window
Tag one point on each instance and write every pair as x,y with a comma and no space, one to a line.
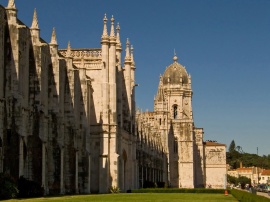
175,111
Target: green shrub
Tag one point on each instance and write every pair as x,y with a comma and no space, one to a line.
176,190
8,187
28,188
149,184
114,190
161,184
247,196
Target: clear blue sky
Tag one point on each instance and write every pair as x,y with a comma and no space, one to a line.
224,45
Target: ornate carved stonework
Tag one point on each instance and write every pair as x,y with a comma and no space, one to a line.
90,54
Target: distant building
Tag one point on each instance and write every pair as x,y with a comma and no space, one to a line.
265,177
252,173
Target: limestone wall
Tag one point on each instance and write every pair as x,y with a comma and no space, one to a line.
215,165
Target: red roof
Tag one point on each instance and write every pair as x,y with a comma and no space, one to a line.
214,144
244,169
266,172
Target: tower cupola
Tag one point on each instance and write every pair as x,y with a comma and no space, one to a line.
175,73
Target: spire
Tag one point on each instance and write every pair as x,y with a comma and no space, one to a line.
68,54
119,45
118,33
53,38
11,4
160,93
35,21
131,54
105,32
127,50
112,27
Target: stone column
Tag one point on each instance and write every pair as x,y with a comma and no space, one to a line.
62,189
89,174
104,163
76,173
44,177
142,180
1,160
136,176
21,160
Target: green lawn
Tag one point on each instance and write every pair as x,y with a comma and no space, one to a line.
138,197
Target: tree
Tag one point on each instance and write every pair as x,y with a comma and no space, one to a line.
232,179
235,155
232,147
242,180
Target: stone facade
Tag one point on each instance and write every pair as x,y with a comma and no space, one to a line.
190,162
68,118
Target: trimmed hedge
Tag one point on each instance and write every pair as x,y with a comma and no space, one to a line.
245,196
8,188
176,190
28,188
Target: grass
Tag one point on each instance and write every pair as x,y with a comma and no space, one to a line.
138,197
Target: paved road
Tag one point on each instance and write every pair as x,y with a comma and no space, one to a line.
263,194
259,193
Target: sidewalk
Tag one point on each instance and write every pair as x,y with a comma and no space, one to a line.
263,194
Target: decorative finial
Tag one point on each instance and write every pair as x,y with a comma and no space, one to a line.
112,27
53,38
175,57
68,50
35,20
131,53
11,4
118,27
118,34
105,32
127,50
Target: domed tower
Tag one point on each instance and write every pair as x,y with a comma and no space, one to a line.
173,111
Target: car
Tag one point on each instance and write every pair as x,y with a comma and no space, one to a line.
261,188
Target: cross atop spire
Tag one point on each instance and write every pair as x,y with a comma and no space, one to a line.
35,21
53,38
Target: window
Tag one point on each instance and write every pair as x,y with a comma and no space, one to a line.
175,111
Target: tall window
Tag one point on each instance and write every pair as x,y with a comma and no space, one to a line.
175,111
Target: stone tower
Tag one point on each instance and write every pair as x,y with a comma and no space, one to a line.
173,110
189,161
